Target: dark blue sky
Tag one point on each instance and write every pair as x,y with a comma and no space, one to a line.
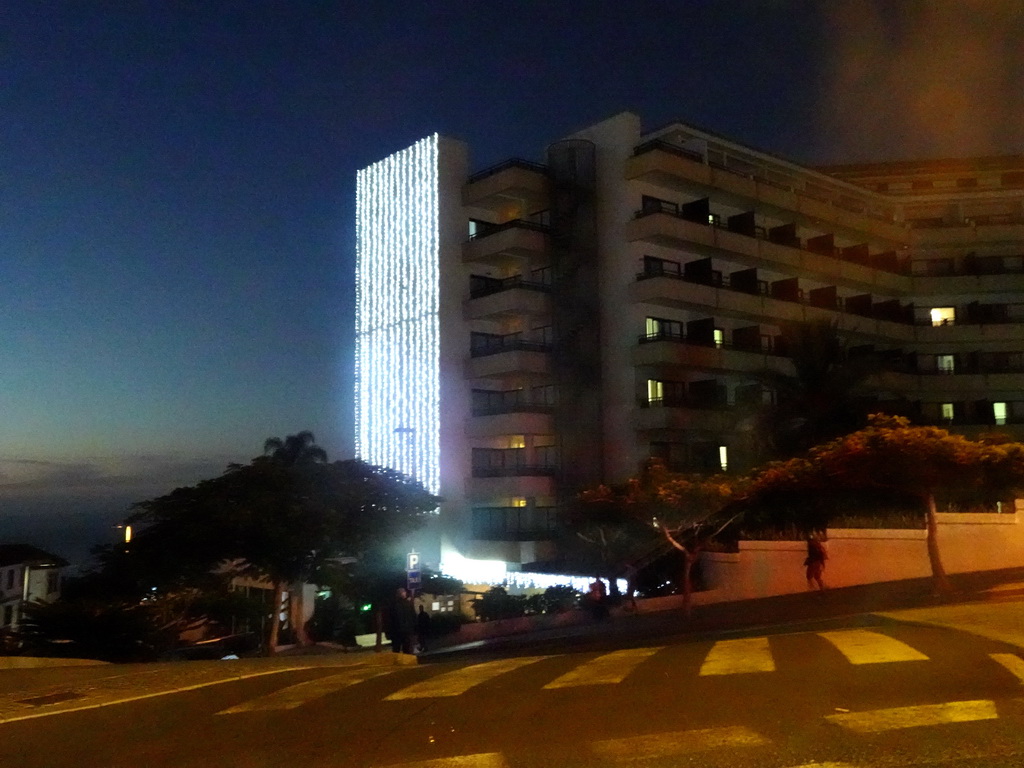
177,183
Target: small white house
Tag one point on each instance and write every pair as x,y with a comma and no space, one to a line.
27,574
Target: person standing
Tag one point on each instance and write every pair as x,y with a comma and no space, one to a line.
815,562
422,628
403,622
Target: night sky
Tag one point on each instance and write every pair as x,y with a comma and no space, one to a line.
177,185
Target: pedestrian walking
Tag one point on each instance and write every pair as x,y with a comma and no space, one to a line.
631,577
402,624
422,628
597,597
815,562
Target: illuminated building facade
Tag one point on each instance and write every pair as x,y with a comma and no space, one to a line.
537,328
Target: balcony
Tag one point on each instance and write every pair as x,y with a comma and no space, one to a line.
676,414
514,184
743,296
524,422
502,245
851,266
673,167
492,298
677,350
977,313
515,523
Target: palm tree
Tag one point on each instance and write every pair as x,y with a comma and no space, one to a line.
298,450
295,449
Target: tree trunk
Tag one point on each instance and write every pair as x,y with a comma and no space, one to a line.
940,581
275,618
378,626
688,561
296,612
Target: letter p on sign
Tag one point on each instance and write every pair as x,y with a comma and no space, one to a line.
413,561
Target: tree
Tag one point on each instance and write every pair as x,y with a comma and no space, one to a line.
295,449
280,517
819,401
891,456
688,509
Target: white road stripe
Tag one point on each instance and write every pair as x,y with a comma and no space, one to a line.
296,695
482,760
878,720
461,680
731,657
1012,662
863,647
606,669
675,743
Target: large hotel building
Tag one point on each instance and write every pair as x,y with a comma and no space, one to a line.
533,328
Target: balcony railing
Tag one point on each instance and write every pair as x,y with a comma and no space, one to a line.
970,265
514,162
515,523
515,470
480,285
682,338
980,314
485,229
878,311
482,345
893,265
753,172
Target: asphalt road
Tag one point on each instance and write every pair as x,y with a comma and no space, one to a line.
888,694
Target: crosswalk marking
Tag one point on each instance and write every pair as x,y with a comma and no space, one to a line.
675,743
861,646
482,760
609,668
296,695
878,720
461,680
730,657
1012,662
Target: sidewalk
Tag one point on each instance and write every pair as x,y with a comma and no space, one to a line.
770,613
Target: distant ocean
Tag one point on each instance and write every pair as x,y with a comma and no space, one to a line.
69,528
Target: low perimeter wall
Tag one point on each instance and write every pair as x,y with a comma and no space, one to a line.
967,542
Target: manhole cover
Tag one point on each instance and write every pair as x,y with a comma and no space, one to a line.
51,698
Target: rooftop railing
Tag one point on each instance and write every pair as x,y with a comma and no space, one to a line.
514,162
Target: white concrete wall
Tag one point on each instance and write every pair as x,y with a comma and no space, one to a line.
455,405
621,320
967,542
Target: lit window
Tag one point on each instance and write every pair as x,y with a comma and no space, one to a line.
947,411
719,337
519,501
723,457
943,315
999,413
945,363
655,391
517,441
653,326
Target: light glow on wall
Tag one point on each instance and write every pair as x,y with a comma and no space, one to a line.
496,573
397,415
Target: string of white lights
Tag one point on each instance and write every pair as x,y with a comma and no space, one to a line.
397,304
